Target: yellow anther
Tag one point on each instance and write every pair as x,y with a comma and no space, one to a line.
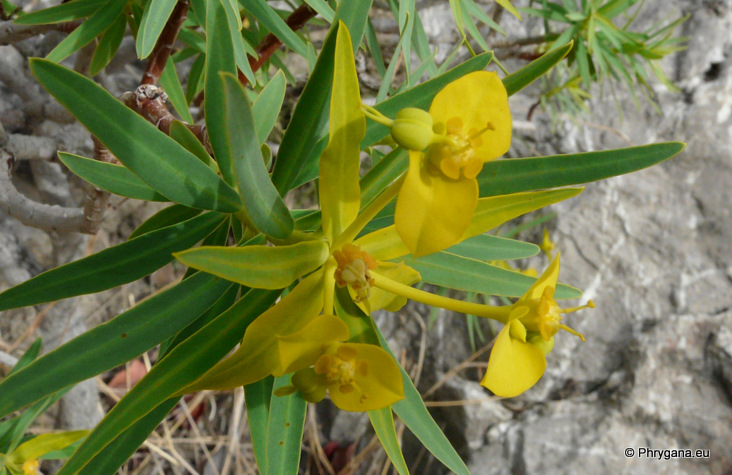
453,151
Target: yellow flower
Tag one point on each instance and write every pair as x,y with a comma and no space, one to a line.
31,467
472,125
547,245
359,377
518,360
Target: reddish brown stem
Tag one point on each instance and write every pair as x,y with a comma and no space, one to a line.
164,46
271,43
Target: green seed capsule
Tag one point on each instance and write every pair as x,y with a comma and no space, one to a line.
545,346
412,129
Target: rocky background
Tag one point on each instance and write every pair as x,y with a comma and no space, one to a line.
653,249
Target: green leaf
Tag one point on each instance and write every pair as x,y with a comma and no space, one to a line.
534,70
383,423
102,19
113,178
183,135
153,21
514,175
268,17
30,354
257,399
169,216
455,272
111,267
153,156
184,364
413,412
18,426
354,15
308,119
262,203
171,84
253,265
113,343
340,195
285,428
242,49
485,247
267,105
108,45
62,13
195,77
323,9
219,58
128,441
490,213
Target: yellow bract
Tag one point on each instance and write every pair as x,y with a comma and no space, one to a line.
359,377
518,360
472,125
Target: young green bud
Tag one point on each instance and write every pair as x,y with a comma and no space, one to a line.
412,129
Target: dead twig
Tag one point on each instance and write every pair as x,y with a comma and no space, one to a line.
11,32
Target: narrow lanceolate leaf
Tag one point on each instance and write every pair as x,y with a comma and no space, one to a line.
30,354
169,216
257,398
340,193
263,205
108,45
185,363
113,178
114,266
514,175
417,418
261,267
383,423
128,441
102,19
153,21
485,247
171,84
61,13
113,343
267,105
456,272
285,429
153,156
355,16
492,211
219,58
183,135
534,70
308,120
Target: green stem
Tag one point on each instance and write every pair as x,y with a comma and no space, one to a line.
496,313
376,116
329,286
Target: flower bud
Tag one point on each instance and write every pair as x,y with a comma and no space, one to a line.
412,129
